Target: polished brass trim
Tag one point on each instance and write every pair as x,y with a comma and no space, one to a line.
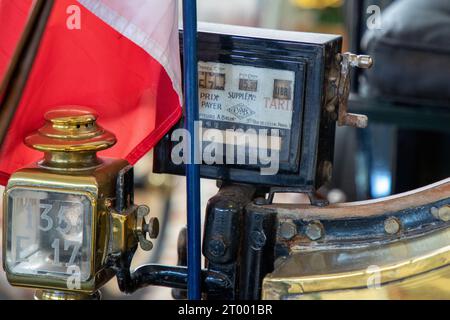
70,138
65,295
400,269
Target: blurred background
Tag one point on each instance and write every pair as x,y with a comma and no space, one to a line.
405,96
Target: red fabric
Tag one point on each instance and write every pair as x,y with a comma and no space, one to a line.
16,14
95,67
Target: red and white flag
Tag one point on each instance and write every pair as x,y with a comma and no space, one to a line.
118,57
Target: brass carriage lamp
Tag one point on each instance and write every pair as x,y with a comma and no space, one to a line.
62,222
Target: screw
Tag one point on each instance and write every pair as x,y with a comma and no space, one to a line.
314,230
392,225
443,213
288,230
364,61
258,239
217,247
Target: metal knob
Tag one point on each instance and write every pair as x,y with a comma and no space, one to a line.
152,228
143,228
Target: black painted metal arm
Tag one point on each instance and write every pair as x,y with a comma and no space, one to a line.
174,277
161,275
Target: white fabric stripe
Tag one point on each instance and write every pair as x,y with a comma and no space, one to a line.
150,24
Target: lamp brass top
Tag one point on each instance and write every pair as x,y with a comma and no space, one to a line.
71,129
70,139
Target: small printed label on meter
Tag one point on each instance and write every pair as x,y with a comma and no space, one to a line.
250,96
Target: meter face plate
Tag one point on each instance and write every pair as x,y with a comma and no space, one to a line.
248,103
49,234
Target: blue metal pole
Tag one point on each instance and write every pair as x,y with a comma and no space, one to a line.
192,168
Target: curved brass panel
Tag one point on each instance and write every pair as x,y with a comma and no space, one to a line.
417,268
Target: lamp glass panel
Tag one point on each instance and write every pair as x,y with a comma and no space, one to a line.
49,234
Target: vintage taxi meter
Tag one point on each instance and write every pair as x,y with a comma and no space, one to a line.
67,216
268,104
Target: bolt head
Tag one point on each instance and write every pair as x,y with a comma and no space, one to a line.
217,247
314,231
288,230
258,240
443,213
392,225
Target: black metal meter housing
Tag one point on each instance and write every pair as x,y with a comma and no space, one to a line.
252,79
